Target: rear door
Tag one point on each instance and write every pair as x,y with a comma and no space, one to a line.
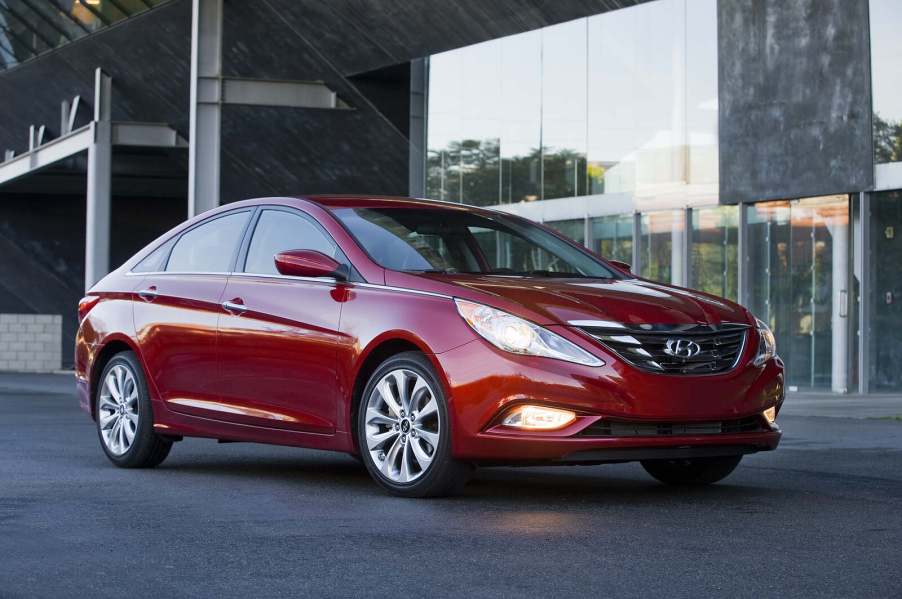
278,338
178,310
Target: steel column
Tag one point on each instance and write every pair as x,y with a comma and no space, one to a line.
865,263
205,108
100,163
419,89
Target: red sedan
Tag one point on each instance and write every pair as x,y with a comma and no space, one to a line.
426,338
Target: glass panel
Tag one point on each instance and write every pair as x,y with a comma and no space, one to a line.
661,245
612,237
574,229
886,75
799,268
714,251
636,92
209,247
278,231
621,102
446,83
521,117
154,260
564,110
886,297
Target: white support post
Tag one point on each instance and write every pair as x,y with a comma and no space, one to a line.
205,108
100,164
864,265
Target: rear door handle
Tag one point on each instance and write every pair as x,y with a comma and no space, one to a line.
235,306
148,294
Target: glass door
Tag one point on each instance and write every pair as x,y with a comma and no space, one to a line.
799,263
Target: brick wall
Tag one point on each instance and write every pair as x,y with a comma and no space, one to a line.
30,342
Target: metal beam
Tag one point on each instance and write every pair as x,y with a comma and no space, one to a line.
99,193
45,155
205,108
253,92
147,135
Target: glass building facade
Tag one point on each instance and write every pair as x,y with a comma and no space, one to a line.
606,129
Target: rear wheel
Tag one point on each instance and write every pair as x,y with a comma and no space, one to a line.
125,418
694,471
403,430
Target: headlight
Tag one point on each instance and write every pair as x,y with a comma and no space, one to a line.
512,334
767,343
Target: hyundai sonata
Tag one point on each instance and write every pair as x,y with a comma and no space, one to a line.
425,338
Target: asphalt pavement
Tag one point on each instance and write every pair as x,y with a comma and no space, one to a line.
819,517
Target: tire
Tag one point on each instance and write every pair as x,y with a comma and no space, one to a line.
146,449
695,471
407,448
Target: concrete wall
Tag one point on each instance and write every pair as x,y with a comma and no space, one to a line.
30,342
795,98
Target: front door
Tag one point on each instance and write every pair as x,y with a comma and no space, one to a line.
278,336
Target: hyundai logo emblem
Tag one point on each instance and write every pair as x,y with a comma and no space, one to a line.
682,348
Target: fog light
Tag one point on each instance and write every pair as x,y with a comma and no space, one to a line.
770,414
538,418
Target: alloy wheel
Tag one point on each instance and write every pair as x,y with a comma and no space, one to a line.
403,425
117,410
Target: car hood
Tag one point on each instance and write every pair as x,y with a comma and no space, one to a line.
622,301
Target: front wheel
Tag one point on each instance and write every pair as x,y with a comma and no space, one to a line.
403,430
124,416
694,471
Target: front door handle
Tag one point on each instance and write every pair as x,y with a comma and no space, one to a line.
235,306
148,294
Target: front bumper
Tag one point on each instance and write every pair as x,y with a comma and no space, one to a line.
483,383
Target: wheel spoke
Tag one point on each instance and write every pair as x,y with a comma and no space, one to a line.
423,458
429,409
377,440
106,419
129,432
390,459
389,398
428,436
401,381
374,416
111,386
120,383
405,473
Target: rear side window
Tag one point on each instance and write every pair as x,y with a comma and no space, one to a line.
278,231
153,262
209,247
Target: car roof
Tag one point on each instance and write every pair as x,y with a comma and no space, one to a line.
362,201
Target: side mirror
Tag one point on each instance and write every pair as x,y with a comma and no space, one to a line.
621,265
309,263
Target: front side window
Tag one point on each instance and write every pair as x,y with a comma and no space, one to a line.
209,247
452,241
278,231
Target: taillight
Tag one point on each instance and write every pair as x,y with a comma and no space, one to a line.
85,304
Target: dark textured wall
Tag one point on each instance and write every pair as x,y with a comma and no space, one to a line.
795,98
148,56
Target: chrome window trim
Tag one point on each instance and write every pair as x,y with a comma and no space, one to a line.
326,280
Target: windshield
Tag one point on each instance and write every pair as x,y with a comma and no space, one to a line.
455,241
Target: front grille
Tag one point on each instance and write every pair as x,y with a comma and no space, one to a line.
631,428
718,347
